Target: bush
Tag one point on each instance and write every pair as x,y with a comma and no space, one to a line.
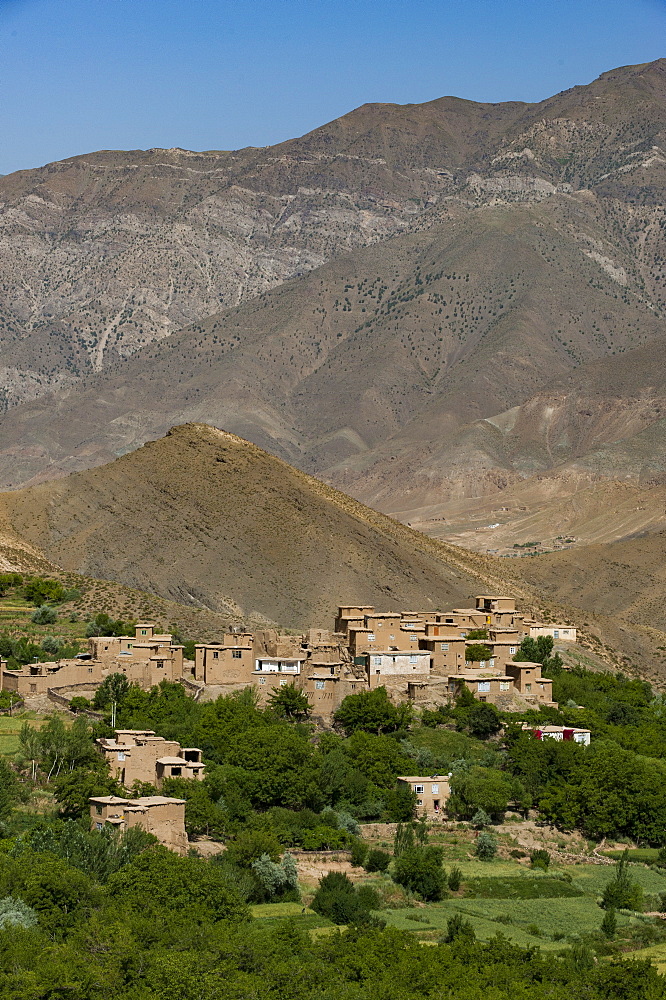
359,852
540,859
609,923
78,702
44,615
338,900
377,860
481,819
456,927
419,869
621,893
455,878
486,846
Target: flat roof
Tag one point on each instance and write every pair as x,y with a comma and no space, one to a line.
421,777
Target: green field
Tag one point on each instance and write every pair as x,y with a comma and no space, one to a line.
592,879
9,729
266,913
517,919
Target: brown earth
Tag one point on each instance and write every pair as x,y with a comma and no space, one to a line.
508,329
221,531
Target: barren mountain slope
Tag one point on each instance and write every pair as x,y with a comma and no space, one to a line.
369,370
103,253
212,520
206,518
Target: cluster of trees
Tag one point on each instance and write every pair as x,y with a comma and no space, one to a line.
93,917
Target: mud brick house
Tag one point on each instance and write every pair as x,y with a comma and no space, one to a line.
163,817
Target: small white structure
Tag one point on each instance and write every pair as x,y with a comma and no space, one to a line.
559,633
560,733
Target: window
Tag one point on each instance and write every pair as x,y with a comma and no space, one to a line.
491,661
283,681
413,658
143,632
418,789
320,685
160,664
176,772
528,687
482,664
90,670
483,686
414,638
556,634
216,655
505,685
512,650
236,654
392,637
120,756
262,680
376,661
99,826
419,802
371,636
463,635
434,789
444,646
98,810
130,645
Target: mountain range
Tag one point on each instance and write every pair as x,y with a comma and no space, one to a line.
443,309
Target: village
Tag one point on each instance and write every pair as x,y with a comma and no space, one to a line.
428,658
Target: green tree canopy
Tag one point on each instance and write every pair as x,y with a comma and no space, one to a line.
372,711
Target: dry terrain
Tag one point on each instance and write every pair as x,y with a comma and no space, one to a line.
220,531
421,305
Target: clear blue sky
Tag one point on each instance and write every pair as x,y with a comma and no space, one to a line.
80,75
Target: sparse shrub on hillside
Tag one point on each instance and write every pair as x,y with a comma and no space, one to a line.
540,859
44,615
486,846
455,879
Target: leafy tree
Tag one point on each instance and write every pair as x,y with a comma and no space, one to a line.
289,702
358,853
41,591
103,625
277,880
477,634
74,788
44,615
478,652
15,913
486,846
276,765
481,720
481,819
419,869
457,927
540,858
113,688
480,788
621,893
8,790
338,900
252,844
377,860
201,815
158,877
609,923
455,879
372,711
